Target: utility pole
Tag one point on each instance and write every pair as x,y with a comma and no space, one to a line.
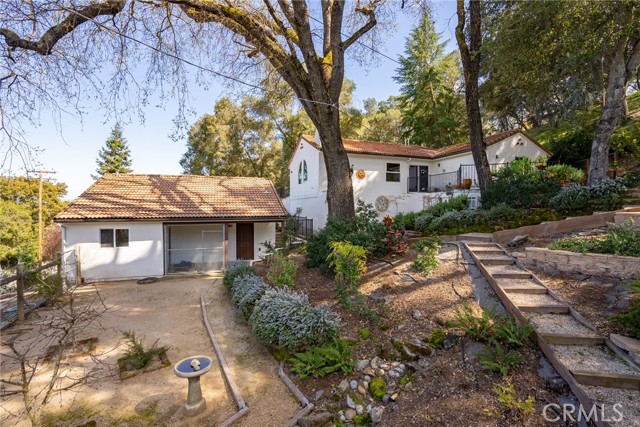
40,225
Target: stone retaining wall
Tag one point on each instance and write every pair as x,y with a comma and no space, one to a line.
625,217
623,267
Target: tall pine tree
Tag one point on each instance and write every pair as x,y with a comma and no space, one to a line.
431,102
115,156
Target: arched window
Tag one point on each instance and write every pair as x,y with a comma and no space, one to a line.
303,176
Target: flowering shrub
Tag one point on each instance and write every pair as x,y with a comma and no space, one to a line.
236,269
283,271
247,290
285,318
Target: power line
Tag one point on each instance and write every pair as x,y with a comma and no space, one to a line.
362,44
174,56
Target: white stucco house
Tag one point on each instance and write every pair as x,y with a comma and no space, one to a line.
131,226
394,177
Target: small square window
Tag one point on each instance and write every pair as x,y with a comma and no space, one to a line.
122,237
106,237
393,172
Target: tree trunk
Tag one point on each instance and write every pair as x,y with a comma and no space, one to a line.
612,112
339,186
623,68
470,55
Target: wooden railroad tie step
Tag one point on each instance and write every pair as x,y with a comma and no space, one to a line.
571,339
603,379
545,308
497,260
524,289
481,251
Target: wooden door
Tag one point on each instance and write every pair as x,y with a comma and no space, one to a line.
244,241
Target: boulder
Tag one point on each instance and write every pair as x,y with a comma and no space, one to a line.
316,419
517,241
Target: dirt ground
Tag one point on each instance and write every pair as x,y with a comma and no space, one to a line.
167,311
451,389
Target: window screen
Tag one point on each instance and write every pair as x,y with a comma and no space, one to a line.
393,172
122,237
106,237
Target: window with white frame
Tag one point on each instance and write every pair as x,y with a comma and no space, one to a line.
110,237
393,172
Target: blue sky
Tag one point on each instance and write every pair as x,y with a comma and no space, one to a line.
70,147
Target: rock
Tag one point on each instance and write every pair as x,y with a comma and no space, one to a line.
557,384
359,409
362,364
473,348
450,339
365,384
551,271
315,419
386,353
380,372
517,241
375,362
394,397
416,314
350,403
385,366
319,394
385,399
629,344
418,347
367,378
368,408
353,384
581,277
404,351
362,390
368,372
376,414
375,296
343,386
349,414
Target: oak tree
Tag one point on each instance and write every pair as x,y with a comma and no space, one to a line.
305,42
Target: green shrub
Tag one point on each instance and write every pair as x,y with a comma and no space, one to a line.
285,318
500,213
377,388
320,361
566,173
364,230
405,221
458,203
608,187
236,269
479,328
423,221
631,179
246,291
428,243
622,240
136,356
282,272
498,359
506,396
348,262
571,198
512,333
436,338
611,202
426,260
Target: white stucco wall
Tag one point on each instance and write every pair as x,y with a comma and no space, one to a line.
263,232
143,257
310,197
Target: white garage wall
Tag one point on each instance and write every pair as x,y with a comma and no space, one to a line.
142,258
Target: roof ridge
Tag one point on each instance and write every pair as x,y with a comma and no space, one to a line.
180,175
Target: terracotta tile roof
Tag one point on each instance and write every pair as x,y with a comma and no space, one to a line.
311,140
174,197
416,151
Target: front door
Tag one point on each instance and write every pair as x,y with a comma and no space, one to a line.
244,241
424,179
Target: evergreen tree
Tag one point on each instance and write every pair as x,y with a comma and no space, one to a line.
115,156
431,102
